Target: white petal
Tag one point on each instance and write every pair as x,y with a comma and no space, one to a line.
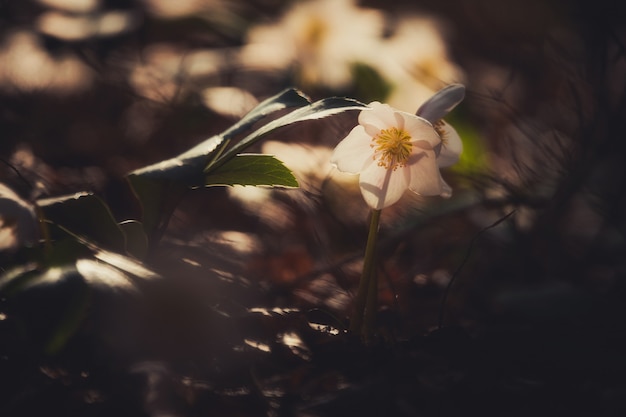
352,153
452,148
420,130
383,187
381,116
425,177
446,189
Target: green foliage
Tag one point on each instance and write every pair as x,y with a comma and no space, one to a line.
62,289
51,297
159,187
85,251
136,239
473,159
369,84
187,168
252,169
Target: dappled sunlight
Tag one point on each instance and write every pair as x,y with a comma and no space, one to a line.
239,242
104,276
274,214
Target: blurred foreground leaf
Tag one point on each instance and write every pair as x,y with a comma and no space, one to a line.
51,304
50,298
84,214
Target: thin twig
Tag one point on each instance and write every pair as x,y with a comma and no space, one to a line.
17,172
462,264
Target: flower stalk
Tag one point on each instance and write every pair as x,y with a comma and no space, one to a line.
364,316
393,151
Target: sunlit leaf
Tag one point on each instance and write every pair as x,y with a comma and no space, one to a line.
252,169
187,167
160,186
318,110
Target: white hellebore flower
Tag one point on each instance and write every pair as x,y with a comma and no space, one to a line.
393,151
321,39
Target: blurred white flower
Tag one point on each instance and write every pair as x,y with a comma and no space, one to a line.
72,6
393,151
75,27
27,66
321,39
229,101
169,9
416,61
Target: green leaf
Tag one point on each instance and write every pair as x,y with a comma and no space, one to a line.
136,239
49,304
159,187
158,199
252,169
187,167
318,110
369,84
84,214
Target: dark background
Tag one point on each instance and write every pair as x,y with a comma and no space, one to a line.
534,323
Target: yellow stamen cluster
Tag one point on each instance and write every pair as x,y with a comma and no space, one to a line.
392,147
314,33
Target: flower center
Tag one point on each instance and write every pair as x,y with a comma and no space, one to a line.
314,33
392,147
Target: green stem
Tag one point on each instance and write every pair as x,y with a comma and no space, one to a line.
368,282
371,307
